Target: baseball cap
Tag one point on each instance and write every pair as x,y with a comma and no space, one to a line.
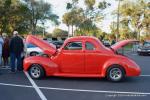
15,32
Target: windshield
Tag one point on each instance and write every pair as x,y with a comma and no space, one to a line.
147,44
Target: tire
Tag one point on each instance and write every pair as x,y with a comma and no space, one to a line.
36,71
34,53
115,73
140,54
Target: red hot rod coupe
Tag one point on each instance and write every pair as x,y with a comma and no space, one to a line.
82,56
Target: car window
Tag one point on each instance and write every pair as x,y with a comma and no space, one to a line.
89,46
73,46
31,46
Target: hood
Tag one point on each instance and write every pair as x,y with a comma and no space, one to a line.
121,44
45,46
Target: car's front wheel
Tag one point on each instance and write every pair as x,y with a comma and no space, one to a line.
115,73
36,71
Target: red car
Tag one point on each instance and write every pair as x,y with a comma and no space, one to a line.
82,56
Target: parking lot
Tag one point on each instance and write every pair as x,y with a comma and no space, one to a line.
20,86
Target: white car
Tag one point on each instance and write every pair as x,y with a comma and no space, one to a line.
32,50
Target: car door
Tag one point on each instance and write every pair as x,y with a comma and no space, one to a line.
91,58
72,58
95,58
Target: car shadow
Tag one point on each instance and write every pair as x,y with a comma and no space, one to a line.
102,80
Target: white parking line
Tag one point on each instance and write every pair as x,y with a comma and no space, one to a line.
78,90
42,96
134,54
145,75
95,91
15,85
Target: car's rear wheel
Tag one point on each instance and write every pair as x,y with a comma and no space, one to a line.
36,71
115,73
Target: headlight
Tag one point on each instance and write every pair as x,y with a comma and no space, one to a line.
138,49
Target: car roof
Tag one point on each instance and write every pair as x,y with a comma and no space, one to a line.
95,40
81,38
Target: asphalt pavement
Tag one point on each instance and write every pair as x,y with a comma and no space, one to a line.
20,86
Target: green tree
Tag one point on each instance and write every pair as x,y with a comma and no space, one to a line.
90,3
84,20
59,33
12,16
40,11
137,15
73,18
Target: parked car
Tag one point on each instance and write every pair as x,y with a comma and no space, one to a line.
106,43
32,50
144,49
82,56
58,44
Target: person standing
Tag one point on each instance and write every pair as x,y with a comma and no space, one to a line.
5,51
1,47
113,42
16,47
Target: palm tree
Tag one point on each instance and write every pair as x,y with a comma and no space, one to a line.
118,19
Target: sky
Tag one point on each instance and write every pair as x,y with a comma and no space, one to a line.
59,8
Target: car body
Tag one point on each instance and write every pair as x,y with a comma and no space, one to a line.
145,49
32,50
81,56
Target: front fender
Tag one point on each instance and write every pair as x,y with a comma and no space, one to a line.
47,64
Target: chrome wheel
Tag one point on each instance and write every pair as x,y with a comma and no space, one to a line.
35,71
115,74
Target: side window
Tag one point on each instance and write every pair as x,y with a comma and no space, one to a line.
74,46
89,46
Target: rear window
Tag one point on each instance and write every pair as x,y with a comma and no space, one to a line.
89,46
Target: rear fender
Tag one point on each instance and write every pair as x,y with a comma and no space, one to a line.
113,61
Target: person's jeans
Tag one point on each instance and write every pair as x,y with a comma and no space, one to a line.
13,58
0,59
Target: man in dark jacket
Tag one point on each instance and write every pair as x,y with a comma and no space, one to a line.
16,48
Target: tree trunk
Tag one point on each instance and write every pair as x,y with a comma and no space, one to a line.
72,31
34,29
68,30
